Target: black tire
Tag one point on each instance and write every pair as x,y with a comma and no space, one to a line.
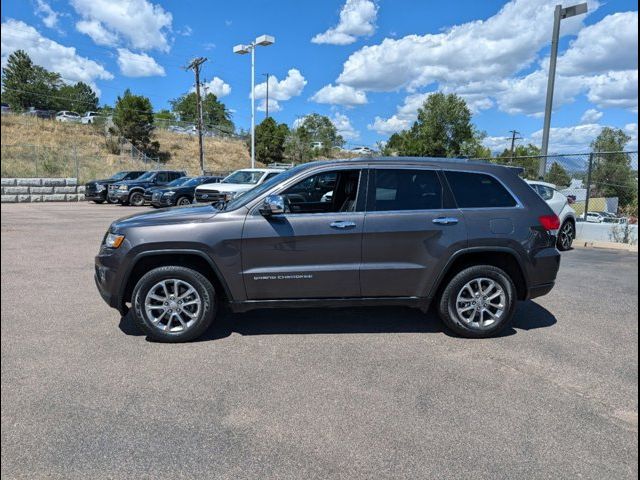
98,201
112,201
566,236
136,199
183,201
199,282
447,305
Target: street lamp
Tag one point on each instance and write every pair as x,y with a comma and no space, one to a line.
558,15
261,41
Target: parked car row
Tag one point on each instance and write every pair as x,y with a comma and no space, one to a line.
167,188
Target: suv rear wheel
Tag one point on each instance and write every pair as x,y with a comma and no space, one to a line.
566,236
174,304
478,302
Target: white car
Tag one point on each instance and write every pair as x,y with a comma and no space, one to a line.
560,204
66,116
362,151
235,184
597,217
89,117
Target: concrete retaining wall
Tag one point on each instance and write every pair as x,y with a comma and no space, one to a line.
25,190
603,232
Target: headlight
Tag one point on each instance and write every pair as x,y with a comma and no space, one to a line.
123,187
113,240
99,187
169,194
230,196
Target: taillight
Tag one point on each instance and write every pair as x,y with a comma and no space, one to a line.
550,222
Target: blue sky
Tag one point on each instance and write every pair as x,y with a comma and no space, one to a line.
366,64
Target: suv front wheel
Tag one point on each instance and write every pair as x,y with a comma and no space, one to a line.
136,199
174,304
478,302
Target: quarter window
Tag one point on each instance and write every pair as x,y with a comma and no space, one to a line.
476,190
406,190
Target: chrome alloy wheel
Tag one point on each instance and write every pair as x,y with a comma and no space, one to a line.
172,305
567,235
481,303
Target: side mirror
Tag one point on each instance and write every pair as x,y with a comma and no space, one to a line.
272,205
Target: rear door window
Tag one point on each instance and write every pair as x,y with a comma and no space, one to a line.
477,190
406,190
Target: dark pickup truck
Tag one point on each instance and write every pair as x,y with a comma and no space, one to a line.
96,190
131,192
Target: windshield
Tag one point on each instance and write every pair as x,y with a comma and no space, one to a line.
260,189
119,175
146,176
194,182
179,181
244,176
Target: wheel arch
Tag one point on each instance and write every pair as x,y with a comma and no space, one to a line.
504,258
194,259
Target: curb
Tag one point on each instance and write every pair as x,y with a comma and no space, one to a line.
624,247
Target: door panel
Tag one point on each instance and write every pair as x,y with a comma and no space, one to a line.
314,255
411,228
403,252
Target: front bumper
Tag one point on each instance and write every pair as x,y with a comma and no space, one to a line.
162,201
93,196
118,195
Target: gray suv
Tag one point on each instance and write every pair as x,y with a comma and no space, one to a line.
471,238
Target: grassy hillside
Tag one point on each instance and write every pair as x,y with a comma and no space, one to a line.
34,147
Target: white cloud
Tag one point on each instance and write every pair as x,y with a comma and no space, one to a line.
217,86
48,15
17,35
569,139
357,18
631,129
274,106
590,116
340,95
99,34
484,49
344,127
608,45
614,89
137,23
405,115
138,64
283,90
185,31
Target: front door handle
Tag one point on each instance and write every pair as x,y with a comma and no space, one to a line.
445,221
342,224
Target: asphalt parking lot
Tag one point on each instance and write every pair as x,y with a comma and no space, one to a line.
350,393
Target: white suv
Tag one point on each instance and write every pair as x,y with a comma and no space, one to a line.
560,204
66,116
89,117
235,184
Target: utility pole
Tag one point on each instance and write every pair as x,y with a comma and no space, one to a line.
514,133
267,102
195,66
558,15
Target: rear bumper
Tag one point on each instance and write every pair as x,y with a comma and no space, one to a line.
543,272
540,290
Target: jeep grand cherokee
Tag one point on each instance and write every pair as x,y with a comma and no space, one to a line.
473,238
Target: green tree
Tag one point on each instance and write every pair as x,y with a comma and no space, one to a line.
473,148
613,175
443,129
319,128
133,119
558,175
79,98
25,84
297,145
270,141
214,112
524,156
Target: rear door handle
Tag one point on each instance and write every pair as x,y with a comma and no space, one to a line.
445,221
341,224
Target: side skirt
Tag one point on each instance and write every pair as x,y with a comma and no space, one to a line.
415,302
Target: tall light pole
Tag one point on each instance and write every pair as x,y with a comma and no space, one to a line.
261,41
558,15
195,66
267,101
